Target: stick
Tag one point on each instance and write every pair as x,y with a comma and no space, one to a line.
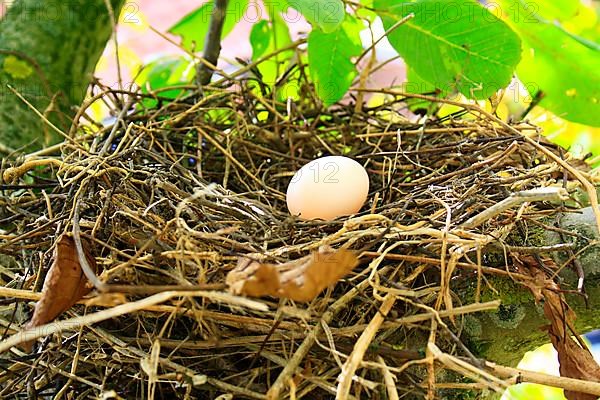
78,322
515,375
516,199
274,392
360,348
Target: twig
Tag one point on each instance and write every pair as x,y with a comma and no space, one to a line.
39,114
585,182
392,28
85,266
275,390
388,379
352,363
75,323
526,196
516,375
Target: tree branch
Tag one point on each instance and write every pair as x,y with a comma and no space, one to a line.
212,45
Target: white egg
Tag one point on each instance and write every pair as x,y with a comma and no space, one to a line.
327,188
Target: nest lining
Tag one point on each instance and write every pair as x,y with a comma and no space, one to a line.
175,195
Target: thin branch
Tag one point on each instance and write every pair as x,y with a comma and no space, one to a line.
526,196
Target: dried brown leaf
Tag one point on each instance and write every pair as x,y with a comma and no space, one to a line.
300,280
575,359
65,282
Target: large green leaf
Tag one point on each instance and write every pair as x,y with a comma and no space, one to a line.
330,59
415,84
565,69
455,45
193,28
326,15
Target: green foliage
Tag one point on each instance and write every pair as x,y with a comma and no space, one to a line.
193,28
164,73
266,37
330,59
449,46
417,85
260,37
16,68
564,67
326,15
453,45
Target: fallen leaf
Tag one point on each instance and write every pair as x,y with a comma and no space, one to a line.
299,280
64,285
575,359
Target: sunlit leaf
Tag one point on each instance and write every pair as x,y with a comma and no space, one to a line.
17,69
326,15
266,37
454,49
558,10
330,60
417,85
163,73
365,11
564,69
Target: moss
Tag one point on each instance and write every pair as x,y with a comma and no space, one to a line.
534,236
508,291
496,288
582,224
508,316
472,326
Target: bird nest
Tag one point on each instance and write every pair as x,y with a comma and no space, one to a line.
167,200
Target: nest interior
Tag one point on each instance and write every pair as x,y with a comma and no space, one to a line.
173,195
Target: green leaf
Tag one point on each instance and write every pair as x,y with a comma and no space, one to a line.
267,37
326,15
365,11
260,36
16,68
563,68
330,59
163,73
415,84
455,45
193,28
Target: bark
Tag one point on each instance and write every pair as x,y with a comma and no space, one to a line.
212,47
48,52
516,328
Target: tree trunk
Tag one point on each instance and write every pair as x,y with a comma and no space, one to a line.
48,52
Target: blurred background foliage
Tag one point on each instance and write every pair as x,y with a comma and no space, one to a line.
560,42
